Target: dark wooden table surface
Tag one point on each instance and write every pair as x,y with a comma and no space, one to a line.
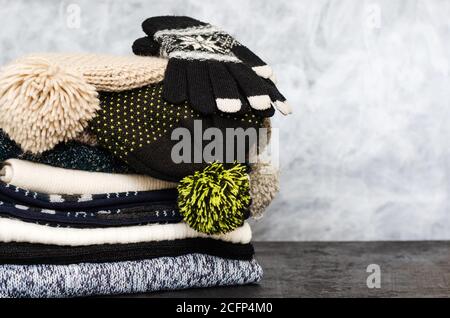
303,269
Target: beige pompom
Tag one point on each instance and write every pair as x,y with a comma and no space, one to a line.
43,104
264,186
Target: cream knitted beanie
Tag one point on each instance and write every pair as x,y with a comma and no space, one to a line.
43,104
110,73
49,98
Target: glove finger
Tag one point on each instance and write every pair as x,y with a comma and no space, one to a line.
252,60
225,88
146,46
265,113
252,85
155,24
201,96
245,108
278,100
175,82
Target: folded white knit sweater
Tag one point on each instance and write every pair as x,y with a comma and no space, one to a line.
46,179
12,230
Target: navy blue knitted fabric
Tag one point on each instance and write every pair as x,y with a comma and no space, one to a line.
70,155
96,210
149,213
15,195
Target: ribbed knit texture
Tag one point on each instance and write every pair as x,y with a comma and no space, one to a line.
109,72
46,179
165,273
12,230
27,254
95,202
148,213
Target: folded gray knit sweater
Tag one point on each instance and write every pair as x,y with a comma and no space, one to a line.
87,279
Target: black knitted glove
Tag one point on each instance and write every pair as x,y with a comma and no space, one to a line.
208,67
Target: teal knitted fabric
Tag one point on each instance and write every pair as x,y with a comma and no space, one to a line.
70,155
8,148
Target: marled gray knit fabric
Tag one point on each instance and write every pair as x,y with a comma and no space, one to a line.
165,273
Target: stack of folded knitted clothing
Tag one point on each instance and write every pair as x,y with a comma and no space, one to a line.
92,201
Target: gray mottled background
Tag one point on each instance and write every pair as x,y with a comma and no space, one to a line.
366,154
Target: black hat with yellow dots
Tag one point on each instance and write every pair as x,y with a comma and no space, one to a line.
137,126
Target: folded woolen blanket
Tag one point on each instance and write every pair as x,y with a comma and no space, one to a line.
12,230
42,178
160,213
87,279
27,254
64,202
70,155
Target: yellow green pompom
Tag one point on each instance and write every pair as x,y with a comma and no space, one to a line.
215,200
